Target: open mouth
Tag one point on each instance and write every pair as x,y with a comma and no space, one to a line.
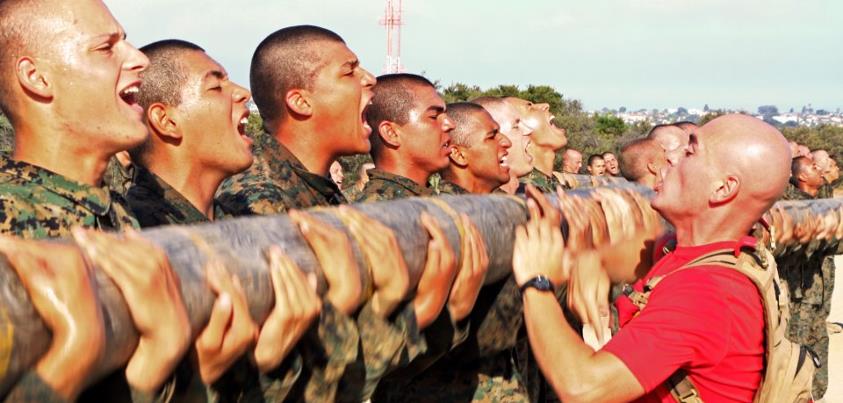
503,162
364,121
241,128
129,96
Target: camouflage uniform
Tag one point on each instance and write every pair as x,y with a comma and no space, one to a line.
479,369
446,187
154,202
344,357
387,186
117,177
36,203
545,183
808,272
276,182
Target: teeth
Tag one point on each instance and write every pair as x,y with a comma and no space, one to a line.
133,90
244,121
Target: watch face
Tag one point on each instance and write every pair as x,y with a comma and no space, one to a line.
543,283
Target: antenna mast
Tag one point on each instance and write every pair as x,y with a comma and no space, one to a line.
392,21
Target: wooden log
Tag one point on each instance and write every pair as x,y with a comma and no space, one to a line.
241,244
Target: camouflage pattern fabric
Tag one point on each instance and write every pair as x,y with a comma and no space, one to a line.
276,182
154,202
36,203
388,186
446,187
545,183
480,369
117,177
31,388
808,272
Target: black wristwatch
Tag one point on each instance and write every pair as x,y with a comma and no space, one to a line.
540,282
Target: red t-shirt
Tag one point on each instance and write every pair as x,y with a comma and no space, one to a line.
707,320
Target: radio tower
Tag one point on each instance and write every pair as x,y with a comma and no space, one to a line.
392,21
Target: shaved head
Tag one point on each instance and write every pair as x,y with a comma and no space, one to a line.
395,95
822,158
671,137
466,117
29,28
287,59
163,80
571,161
637,158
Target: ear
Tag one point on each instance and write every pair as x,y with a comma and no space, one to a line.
651,167
725,190
160,119
299,102
33,79
389,133
458,157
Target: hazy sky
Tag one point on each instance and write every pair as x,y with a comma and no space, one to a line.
633,53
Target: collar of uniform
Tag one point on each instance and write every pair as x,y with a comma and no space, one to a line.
794,193
451,188
279,158
95,199
534,174
406,183
167,195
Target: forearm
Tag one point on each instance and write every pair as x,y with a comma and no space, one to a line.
576,372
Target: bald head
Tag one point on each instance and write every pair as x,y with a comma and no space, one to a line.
755,150
571,161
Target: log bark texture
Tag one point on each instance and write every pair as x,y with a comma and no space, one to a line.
241,242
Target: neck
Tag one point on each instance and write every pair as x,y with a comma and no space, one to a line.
648,181
403,167
714,227
56,151
464,179
196,183
803,186
511,186
300,139
543,159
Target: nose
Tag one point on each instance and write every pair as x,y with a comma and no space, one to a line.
135,59
240,94
447,123
369,79
504,141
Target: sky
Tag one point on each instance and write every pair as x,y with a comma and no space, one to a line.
606,53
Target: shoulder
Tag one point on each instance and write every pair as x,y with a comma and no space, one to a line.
252,192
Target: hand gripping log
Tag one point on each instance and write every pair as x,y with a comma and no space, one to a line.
241,244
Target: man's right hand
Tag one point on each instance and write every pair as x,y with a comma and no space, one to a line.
389,271
142,273
333,251
296,306
60,286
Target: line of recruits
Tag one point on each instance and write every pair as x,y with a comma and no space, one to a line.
79,97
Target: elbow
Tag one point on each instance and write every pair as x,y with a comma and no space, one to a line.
578,390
